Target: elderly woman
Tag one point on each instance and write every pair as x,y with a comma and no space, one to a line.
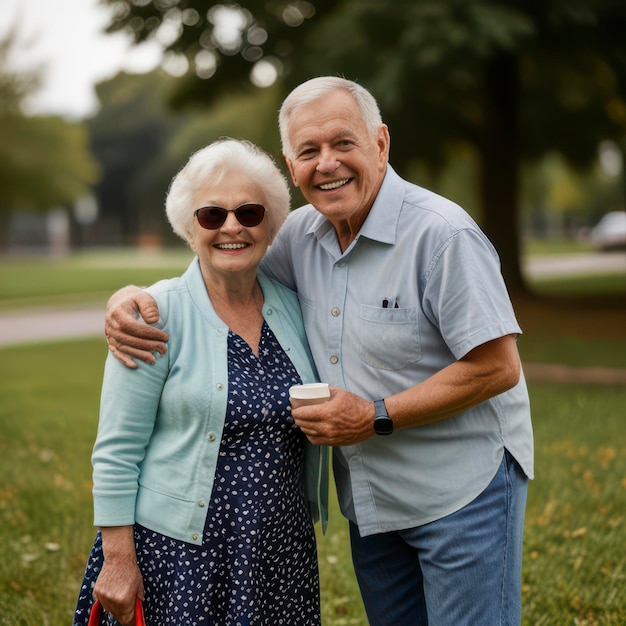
200,474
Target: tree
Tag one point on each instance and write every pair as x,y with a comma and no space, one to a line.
44,161
513,80
141,144
128,136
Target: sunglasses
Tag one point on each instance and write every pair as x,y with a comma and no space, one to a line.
212,217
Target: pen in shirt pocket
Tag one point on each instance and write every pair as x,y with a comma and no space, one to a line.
390,303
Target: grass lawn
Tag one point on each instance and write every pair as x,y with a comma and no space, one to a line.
574,569
84,277
554,246
553,323
575,552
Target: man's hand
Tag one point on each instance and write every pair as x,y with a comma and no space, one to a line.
484,372
126,326
343,420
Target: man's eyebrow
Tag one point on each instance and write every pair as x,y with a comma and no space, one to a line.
304,144
311,143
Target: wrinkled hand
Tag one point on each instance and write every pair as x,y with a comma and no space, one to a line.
344,420
126,326
118,584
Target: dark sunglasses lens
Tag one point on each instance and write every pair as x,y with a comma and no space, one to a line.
250,214
211,217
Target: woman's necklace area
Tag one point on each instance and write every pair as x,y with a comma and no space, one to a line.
245,318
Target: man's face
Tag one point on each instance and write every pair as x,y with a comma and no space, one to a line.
336,163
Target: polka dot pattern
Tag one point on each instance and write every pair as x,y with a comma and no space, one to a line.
257,564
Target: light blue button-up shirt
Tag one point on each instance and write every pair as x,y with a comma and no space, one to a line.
419,287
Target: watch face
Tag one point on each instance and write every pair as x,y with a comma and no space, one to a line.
383,426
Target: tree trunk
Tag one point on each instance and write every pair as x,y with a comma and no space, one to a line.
500,166
5,224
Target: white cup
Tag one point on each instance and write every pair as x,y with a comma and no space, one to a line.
310,393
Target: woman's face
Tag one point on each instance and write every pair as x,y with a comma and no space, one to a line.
232,248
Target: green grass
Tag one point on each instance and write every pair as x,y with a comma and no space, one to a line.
554,246
48,415
91,277
84,277
573,351
574,566
575,549
596,284
575,539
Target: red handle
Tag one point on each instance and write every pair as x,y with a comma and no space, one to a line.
96,612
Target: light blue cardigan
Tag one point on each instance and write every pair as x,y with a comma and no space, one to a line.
161,425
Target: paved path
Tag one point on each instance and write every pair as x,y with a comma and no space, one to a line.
554,373
576,264
38,325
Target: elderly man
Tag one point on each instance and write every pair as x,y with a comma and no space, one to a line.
410,322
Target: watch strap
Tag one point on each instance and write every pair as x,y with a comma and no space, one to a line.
383,425
380,410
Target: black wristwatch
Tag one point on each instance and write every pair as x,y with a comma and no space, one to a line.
382,422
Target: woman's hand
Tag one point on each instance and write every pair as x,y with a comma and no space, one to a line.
120,580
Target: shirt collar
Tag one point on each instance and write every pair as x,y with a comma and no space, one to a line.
382,222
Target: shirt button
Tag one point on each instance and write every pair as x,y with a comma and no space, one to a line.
269,312
201,504
335,312
194,537
334,359
219,386
211,437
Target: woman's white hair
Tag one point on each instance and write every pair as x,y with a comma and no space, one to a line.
207,167
314,89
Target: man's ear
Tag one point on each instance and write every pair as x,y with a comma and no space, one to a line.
294,180
383,141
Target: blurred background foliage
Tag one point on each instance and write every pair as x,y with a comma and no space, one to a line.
515,110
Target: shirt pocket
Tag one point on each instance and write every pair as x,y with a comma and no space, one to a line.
388,339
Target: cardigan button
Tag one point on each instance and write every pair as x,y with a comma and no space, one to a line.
194,537
212,437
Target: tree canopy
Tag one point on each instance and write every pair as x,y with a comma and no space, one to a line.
141,144
44,161
512,80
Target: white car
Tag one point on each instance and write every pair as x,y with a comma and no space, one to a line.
610,232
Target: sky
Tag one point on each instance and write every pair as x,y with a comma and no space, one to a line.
66,39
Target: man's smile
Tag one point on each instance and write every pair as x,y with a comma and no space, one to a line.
334,185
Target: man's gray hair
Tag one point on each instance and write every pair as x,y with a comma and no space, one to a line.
316,88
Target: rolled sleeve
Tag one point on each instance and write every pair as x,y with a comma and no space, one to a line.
466,296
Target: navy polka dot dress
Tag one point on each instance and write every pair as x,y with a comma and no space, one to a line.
257,564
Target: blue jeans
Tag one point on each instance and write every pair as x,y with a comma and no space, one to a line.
463,569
